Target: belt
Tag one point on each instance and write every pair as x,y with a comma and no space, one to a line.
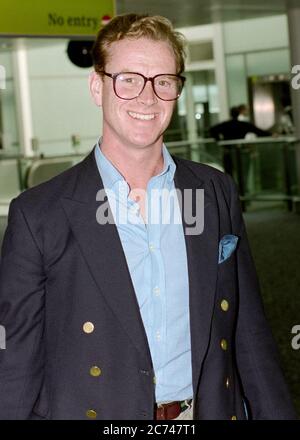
171,410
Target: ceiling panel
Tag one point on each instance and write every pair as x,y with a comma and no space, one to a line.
185,13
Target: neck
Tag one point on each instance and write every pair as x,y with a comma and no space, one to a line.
137,165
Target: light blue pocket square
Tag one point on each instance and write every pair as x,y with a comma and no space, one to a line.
227,245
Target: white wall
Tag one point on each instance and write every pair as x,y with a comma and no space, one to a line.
255,34
60,100
254,47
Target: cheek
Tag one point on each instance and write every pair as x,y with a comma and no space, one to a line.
111,104
168,112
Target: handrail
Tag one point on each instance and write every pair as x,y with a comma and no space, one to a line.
10,157
189,142
258,140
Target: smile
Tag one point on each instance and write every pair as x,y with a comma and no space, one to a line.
142,116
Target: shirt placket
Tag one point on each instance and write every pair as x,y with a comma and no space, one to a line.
158,294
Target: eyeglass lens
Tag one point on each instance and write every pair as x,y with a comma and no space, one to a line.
130,85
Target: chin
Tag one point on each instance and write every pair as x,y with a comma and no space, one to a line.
145,141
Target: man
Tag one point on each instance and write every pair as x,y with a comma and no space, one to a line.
138,319
236,128
243,110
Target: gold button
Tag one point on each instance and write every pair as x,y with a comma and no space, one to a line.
91,414
233,418
227,382
95,371
224,344
88,327
224,305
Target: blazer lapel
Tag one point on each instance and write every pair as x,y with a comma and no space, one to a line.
103,253
202,256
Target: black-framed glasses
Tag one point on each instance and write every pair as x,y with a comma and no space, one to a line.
129,85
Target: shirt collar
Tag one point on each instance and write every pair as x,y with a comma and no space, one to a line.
169,164
110,174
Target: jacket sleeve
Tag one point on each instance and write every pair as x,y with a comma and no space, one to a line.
22,284
263,384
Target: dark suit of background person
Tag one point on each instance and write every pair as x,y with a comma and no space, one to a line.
76,342
235,129
231,130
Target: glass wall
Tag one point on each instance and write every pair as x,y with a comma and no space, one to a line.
9,136
201,87
260,51
64,118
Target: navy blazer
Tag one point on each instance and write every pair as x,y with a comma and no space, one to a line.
68,304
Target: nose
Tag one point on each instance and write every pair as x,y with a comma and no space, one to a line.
147,96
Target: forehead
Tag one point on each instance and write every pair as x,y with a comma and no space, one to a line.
142,53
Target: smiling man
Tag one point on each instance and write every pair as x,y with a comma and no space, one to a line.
136,82
134,319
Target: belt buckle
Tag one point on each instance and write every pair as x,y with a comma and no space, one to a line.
170,410
186,404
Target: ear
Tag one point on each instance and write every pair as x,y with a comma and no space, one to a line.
95,85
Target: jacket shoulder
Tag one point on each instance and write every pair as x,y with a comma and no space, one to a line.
205,172
224,187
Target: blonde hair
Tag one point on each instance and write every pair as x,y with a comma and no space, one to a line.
136,26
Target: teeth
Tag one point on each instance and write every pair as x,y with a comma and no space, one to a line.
141,116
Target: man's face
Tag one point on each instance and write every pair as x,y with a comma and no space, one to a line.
122,120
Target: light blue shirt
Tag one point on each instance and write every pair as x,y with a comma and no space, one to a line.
156,257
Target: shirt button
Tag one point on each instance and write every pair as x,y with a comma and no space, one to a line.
158,336
156,291
151,247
